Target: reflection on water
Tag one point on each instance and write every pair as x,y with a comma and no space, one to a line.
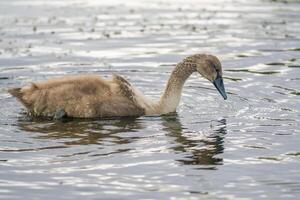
83,132
246,147
201,151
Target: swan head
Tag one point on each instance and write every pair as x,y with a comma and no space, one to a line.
210,68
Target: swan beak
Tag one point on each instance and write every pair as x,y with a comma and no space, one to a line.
218,83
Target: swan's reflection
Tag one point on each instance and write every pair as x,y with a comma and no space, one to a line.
83,132
194,150
200,151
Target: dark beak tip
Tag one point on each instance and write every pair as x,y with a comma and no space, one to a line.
220,87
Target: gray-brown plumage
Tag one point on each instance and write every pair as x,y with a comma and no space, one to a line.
91,96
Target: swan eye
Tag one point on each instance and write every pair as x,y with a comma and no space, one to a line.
215,67
217,70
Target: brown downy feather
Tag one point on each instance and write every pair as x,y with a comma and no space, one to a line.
19,94
16,92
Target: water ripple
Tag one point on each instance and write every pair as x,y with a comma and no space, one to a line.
243,148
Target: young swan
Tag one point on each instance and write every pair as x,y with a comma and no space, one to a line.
90,96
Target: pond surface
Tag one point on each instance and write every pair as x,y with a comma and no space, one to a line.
247,147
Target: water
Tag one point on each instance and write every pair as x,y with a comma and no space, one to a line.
244,148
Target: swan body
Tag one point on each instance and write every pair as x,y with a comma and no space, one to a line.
89,96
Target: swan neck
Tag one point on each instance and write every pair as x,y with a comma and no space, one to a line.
172,93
